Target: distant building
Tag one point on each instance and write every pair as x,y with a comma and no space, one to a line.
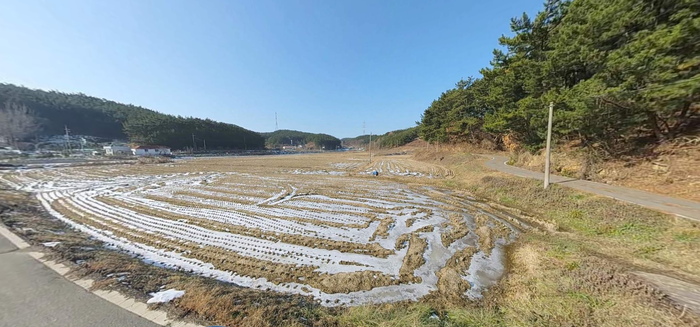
151,150
117,150
8,151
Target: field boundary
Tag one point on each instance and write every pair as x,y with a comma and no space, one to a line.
138,308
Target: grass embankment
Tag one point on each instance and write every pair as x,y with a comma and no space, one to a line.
669,168
576,270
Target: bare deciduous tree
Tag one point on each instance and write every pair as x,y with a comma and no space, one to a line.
16,122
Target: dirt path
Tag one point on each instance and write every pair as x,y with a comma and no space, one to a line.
683,293
680,207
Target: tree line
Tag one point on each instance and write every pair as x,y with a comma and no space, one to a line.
618,73
51,111
284,137
387,140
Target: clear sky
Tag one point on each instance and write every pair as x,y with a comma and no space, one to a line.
324,66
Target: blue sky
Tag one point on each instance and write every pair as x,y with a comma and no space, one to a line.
324,66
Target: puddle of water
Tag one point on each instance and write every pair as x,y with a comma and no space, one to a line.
485,271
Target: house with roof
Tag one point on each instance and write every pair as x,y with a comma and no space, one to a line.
117,150
151,150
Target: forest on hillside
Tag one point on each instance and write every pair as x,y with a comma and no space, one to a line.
86,115
619,74
284,137
387,140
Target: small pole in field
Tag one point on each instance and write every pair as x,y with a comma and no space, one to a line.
370,147
549,141
67,138
194,144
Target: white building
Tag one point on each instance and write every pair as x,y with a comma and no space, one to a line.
117,150
151,150
9,151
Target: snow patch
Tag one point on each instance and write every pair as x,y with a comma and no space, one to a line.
165,296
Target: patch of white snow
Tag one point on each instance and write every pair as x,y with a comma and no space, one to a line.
165,296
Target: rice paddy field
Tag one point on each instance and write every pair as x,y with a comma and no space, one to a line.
318,225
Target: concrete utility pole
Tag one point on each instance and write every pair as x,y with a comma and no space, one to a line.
205,145
194,144
549,141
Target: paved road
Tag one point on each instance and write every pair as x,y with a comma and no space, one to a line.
680,207
33,295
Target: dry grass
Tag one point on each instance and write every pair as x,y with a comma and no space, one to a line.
547,269
629,233
557,283
575,274
153,160
669,169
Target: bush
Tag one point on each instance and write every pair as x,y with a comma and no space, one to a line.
154,160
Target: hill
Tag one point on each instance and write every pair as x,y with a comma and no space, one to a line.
284,137
619,75
87,115
388,140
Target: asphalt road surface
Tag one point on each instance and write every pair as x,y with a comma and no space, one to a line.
680,207
33,295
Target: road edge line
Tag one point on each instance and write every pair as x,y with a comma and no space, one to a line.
14,239
140,309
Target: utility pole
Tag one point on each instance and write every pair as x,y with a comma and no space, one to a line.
276,126
194,144
549,141
67,138
245,144
205,144
370,147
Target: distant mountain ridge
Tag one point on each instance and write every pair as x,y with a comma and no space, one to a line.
88,115
284,137
387,140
